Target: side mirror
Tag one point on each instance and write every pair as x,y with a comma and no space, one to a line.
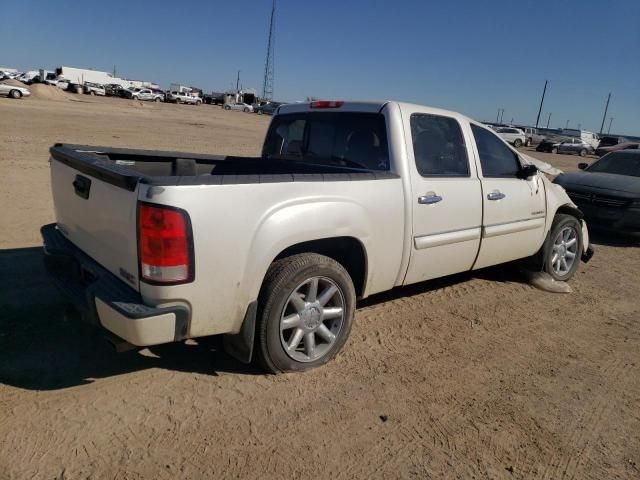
583,165
527,171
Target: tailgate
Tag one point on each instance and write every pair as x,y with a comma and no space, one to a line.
97,214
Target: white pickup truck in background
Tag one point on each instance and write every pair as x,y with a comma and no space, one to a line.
347,200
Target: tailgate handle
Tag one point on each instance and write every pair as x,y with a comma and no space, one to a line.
82,186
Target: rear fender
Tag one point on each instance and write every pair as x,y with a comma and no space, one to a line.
299,221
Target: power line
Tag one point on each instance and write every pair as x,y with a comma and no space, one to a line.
267,83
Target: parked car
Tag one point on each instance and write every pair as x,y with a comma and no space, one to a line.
147,94
575,146
93,89
601,151
608,190
114,90
245,107
532,136
153,260
514,136
213,98
610,141
267,108
184,97
550,144
12,91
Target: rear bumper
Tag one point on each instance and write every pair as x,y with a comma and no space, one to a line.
106,301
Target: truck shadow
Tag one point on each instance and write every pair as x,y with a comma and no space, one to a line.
41,348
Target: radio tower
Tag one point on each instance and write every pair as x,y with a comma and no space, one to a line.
267,84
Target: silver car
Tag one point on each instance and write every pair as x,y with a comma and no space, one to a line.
245,107
13,91
511,135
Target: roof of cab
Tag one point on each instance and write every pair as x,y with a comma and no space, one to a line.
371,107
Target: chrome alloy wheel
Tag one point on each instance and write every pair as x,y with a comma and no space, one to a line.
312,319
565,250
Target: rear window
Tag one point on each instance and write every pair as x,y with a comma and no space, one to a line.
355,140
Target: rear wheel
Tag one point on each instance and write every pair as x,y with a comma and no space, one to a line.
563,247
158,99
517,143
260,112
227,107
245,109
15,94
554,150
583,153
527,143
306,309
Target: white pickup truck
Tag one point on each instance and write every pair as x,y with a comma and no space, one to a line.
348,199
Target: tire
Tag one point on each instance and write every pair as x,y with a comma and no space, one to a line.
517,143
245,110
319,338
157,99
527,143
15,94
227,107
554,150
92,93
562,223
260,112
198,103
583,152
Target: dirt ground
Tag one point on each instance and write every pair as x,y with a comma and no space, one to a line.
474,376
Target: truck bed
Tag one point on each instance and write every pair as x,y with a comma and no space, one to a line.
127,167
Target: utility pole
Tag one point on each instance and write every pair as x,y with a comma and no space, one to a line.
567,125
579,126
511,121
610,122
498,116
605,113
114,72
501,114
238,81
549,120
541,101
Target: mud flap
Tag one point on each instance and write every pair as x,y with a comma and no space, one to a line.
240,345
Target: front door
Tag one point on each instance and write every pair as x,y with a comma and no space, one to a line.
514,208
445,196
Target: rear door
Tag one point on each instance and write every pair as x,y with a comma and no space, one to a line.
514,209
445,195
98,216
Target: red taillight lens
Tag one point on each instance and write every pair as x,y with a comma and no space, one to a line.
163,236
326,104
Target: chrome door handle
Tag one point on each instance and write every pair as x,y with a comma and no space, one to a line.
496,195
429,199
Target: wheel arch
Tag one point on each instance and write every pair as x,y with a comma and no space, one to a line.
347,251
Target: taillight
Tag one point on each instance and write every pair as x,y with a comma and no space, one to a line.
326,104
164,242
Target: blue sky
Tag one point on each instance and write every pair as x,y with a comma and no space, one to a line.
470,56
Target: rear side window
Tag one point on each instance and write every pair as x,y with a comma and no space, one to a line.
438,146
355,140
496,159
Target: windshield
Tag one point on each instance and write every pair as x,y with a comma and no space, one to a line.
357,140
620,163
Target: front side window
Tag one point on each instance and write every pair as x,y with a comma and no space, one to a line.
496,159
355,140
438,146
